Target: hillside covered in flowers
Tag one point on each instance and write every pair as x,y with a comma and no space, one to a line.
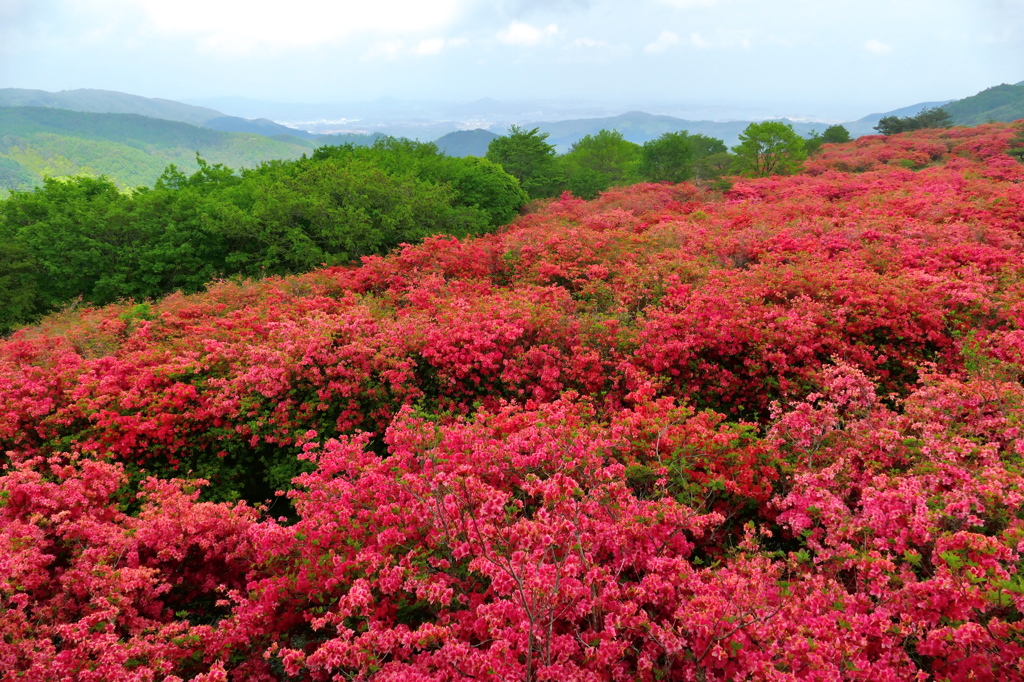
771,433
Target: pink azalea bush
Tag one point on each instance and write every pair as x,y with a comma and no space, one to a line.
667,434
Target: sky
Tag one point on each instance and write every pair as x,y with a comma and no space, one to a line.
814,58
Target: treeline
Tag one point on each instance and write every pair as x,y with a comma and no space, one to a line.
83,238
936,117
598,162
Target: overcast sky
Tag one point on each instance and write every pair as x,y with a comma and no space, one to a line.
826,58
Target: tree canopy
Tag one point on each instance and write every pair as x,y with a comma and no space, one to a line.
936,117
527,156
835,134
84,237
596,162
769,148
679,156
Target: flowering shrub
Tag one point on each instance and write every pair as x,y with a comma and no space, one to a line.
773,433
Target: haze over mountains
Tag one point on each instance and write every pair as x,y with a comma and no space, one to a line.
131,139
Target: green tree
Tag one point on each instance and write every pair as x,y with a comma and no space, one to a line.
19,287
75,230
835,134
586,183
813,142
606,152
85,237
527,156
936,117
668,158
714,166
1016,147
832,135
334,210
769,148
477,184
679,156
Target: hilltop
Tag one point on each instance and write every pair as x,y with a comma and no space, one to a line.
108,102
1000,103
466,142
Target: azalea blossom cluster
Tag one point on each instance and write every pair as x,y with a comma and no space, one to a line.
667,434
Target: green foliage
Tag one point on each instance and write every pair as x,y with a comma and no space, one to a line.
1016,149
130,150
13,175
335,210
18,285
679,156
587,183
1000,103
597,162
82,237
813,142
769,148
477,184
936,117
835,134
527,156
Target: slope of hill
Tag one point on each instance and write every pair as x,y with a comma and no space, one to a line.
999,103
107,102
130,149
259,126
667,434
465,142
866,125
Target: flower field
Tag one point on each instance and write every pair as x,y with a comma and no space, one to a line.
773,433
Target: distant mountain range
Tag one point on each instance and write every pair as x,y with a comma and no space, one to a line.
131,139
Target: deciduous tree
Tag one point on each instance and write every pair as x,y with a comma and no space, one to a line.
769,148
527,156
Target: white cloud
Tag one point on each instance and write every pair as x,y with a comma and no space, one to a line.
877,47
519,33
435,46
243,26
727,39
666,40
430,47
688,4
586,42
384,49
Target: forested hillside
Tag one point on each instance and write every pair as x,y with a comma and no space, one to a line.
129,149
466,142
1000,103
770,430
83,239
